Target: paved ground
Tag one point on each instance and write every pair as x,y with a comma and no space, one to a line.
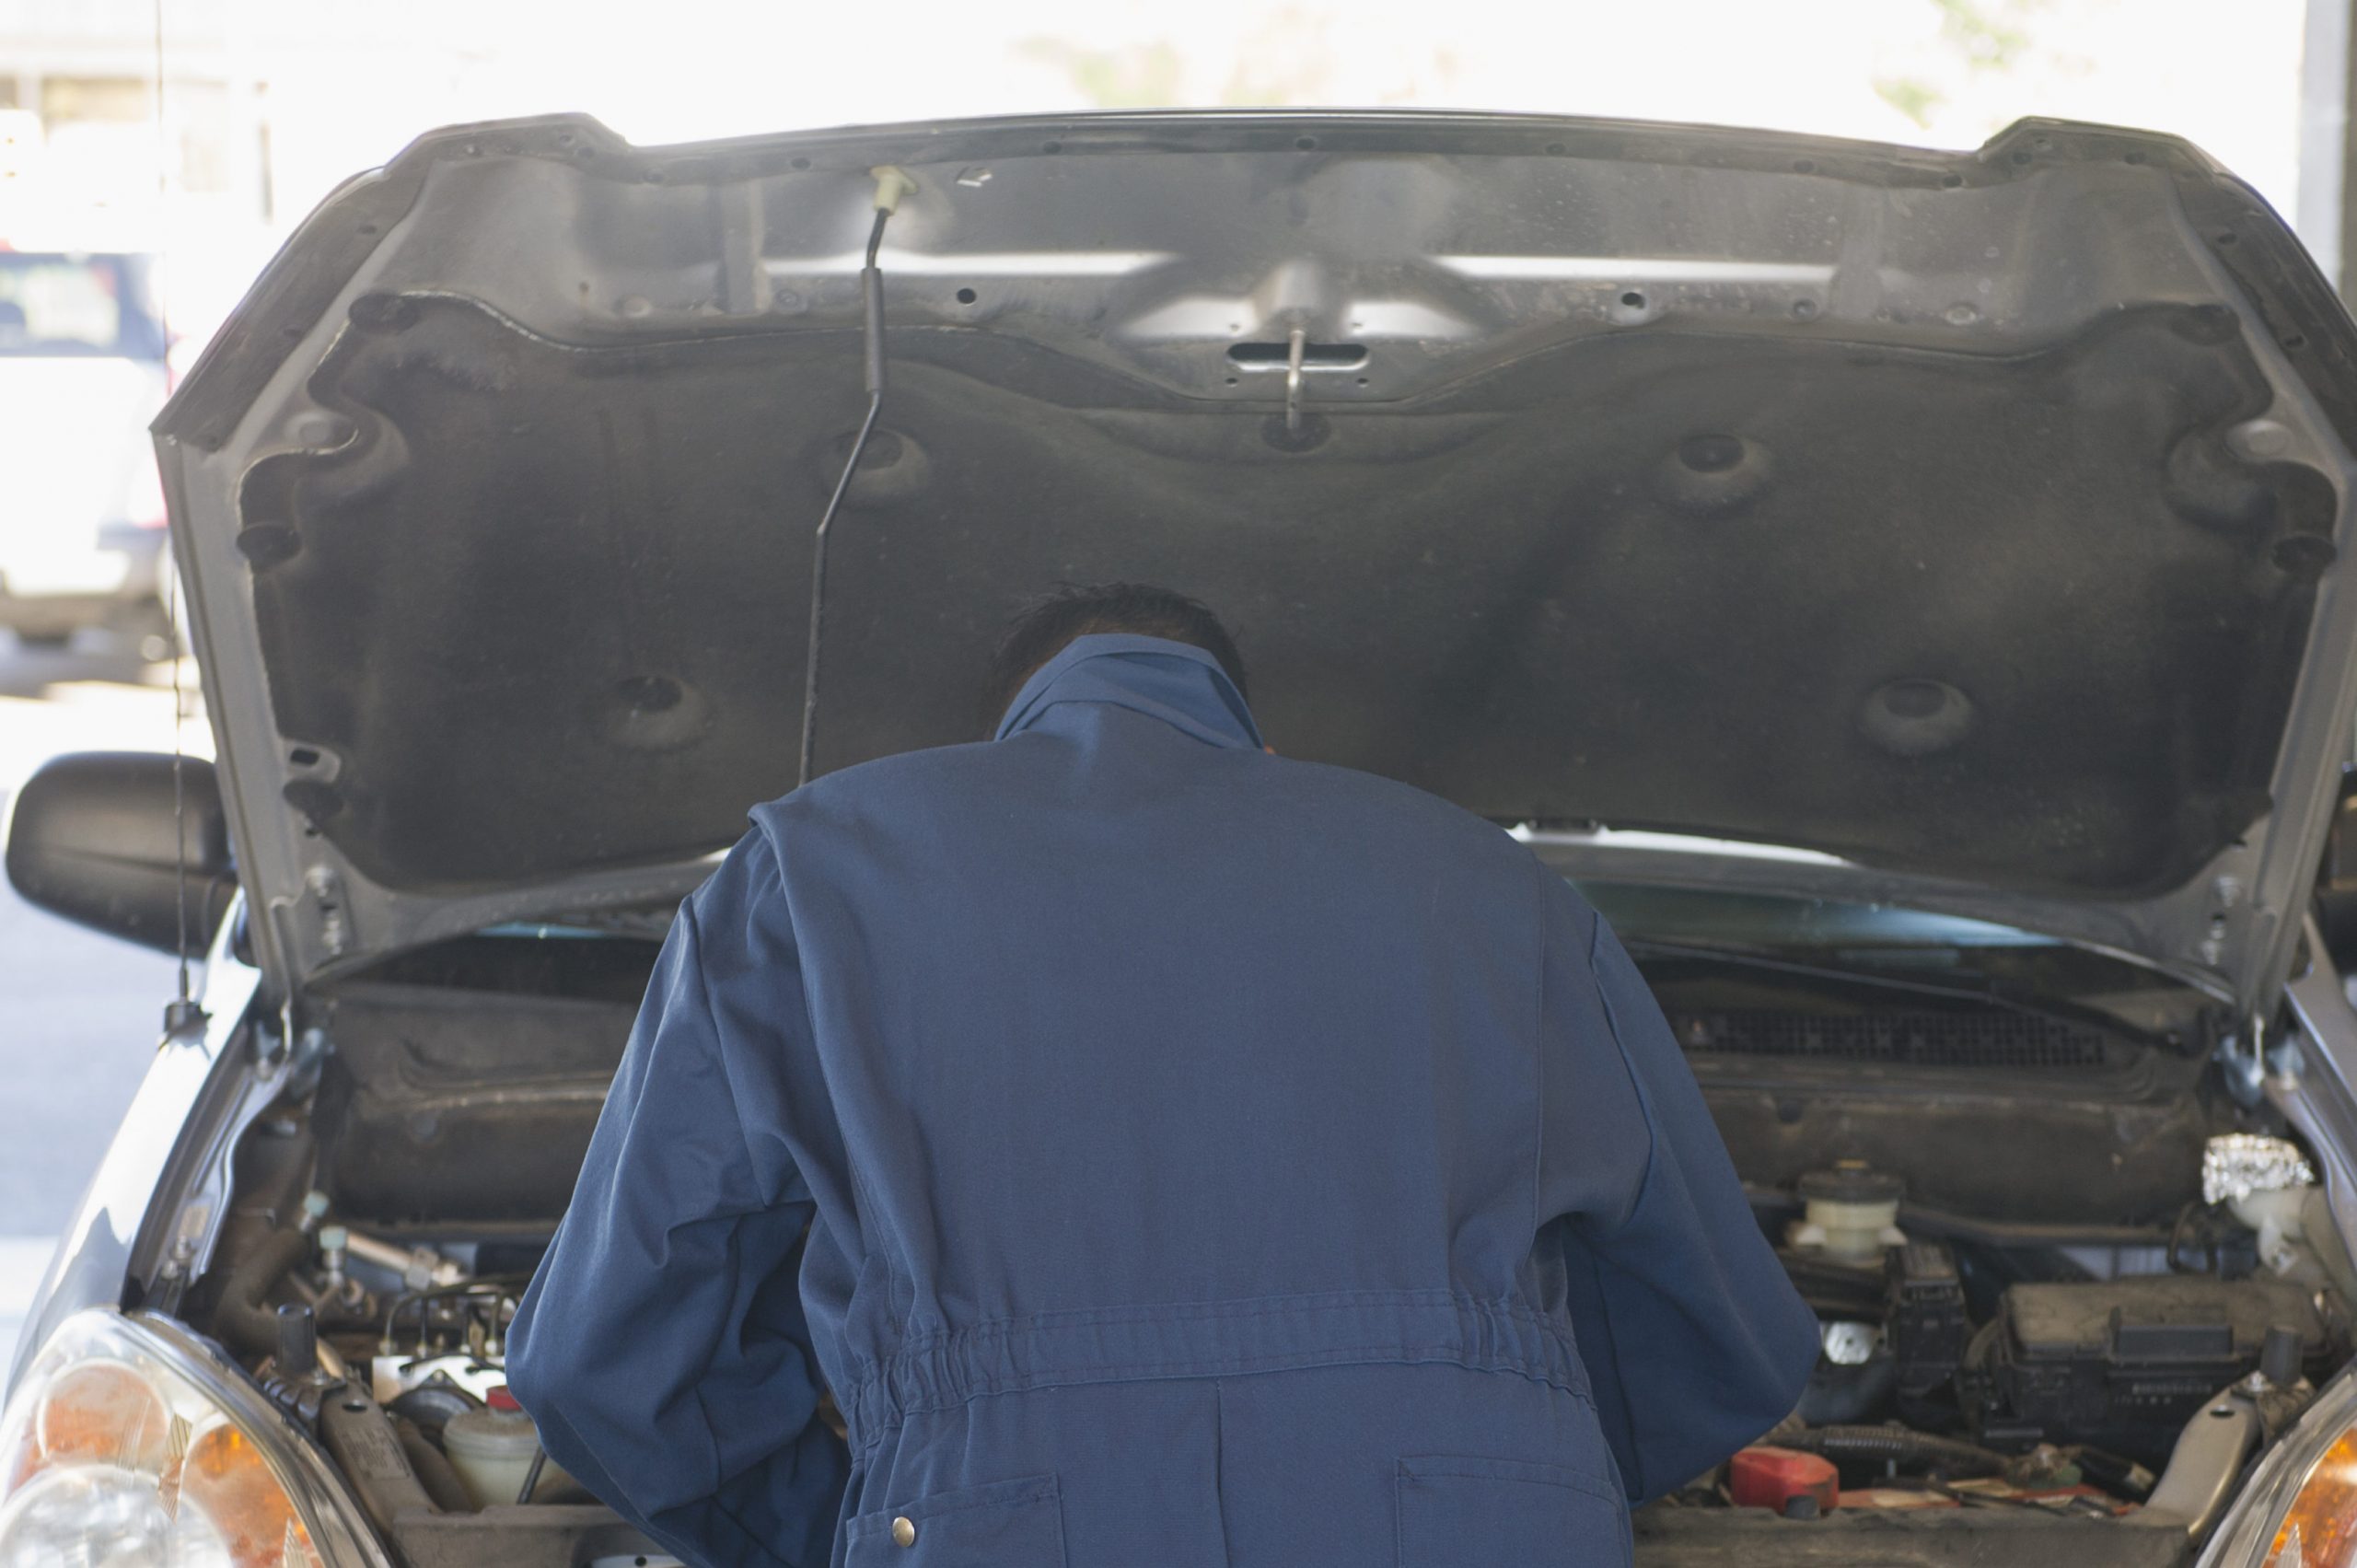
82,1010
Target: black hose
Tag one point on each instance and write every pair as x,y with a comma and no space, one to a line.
1894,1445
434,1468
532,1476
244,1320
430,1406
2122,1477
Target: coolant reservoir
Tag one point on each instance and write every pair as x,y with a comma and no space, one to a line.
492,1449
2270,1185
1850,1213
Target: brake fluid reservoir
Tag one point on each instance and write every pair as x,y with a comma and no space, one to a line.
492,1449
1850,1213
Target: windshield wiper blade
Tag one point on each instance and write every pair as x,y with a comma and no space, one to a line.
1989,991
1753,957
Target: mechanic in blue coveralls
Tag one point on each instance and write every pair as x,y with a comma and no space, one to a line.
1166,1152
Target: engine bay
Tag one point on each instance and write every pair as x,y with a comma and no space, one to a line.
2066,1283
1958,1370
2056,1261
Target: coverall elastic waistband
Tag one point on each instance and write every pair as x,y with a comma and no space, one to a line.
941,1371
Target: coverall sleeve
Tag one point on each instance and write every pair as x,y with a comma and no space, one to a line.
1694,1339
662,1347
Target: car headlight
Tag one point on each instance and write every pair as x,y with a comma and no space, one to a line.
2299,1508
126,1446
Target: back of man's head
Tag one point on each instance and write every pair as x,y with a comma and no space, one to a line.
1045,625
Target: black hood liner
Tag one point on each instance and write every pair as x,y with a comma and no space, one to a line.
2021,621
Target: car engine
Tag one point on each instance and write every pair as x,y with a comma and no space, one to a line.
2055,1267
2098,1375
2042,1259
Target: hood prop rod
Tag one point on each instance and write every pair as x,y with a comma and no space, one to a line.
891,184
184,1016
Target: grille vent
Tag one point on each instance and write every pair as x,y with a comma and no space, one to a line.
1917,1039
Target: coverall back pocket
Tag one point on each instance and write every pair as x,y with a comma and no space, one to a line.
1008,1524
1465,1513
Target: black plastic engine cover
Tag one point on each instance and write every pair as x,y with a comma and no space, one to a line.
2124,1364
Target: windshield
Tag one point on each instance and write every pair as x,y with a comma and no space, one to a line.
54,307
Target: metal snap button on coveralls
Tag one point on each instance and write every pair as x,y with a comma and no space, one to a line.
1168,1153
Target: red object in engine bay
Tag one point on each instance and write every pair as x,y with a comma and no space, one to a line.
1771,1478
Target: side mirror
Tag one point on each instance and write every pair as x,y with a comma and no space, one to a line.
93,839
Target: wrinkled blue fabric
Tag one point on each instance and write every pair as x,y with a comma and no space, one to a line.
1167,1153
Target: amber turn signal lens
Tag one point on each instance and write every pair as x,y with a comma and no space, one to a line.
229,1480
2321,1530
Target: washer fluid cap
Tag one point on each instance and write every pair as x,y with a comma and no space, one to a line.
1851,1181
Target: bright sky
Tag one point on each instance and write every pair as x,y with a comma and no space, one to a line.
2224,72
345,88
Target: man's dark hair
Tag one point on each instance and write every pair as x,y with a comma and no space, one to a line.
1043,627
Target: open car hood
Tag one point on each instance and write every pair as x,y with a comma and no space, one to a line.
1971,527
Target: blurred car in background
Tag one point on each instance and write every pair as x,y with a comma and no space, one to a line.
82,371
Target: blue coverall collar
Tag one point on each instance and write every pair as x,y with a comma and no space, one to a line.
1175,683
